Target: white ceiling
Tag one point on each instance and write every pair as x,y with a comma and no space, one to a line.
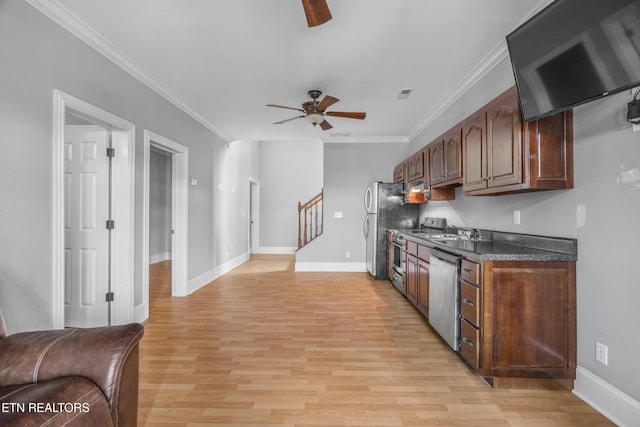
223,60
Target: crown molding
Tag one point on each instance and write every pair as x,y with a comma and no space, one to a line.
61,16
366,140
488,63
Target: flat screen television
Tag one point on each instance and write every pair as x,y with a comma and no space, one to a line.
575,51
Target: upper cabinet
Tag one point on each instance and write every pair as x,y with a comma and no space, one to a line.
501,154
415,167
398,173
445,159
494,152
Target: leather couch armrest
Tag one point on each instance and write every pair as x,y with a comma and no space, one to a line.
108,356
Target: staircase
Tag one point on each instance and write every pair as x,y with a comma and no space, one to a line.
310,219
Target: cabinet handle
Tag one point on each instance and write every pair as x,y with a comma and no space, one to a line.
467,341
468,270
485,179
466,301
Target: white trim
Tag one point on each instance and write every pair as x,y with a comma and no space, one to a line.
253,235
67,20
179,214
611,402
489,62
211,275
341,267
366,140
123,200
275,250
163,256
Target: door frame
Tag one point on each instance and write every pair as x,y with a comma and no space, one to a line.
123,237
179,217
254,216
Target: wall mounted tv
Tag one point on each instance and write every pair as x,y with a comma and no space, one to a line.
575,51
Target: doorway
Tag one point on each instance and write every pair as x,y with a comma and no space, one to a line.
116,260
178,157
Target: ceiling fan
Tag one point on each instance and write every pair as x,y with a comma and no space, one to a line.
314,111
317,12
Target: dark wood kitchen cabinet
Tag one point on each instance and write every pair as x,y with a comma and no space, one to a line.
399,173
502,154
470,313
415,167
422,299
412,272
445,159
528,323
417,290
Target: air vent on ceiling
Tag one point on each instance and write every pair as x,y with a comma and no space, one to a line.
404,93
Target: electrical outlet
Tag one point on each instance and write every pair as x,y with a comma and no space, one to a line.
347,254
602,353
516,217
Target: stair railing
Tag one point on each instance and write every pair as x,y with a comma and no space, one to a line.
310,219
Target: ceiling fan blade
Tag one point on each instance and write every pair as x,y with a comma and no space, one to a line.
288,120
288,108
325,125
326,102
317,12
346,115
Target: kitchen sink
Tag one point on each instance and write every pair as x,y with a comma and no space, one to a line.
444,237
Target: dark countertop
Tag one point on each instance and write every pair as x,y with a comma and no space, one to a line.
501,246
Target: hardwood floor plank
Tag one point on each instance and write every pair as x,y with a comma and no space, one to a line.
266,346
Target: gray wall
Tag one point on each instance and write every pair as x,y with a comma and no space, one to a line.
159,206
38,56
290,172
607,189
348,170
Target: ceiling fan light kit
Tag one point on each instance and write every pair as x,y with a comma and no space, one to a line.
315,113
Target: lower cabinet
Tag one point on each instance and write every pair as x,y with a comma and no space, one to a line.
517,318
423,287
418,276
528,323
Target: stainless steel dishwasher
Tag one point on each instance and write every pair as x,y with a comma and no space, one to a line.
444,296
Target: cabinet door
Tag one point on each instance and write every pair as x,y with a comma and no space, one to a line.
529,319
423,287
504,141
412,279
452,155
436,162
474,152
398,173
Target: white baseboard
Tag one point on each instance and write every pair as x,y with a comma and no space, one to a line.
354,267
606,399
211,275
274,250
164,256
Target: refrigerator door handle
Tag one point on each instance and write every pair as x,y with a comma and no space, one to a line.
367,200
365,227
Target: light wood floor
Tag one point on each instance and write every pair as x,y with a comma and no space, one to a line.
266,346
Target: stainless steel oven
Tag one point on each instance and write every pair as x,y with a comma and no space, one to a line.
398,261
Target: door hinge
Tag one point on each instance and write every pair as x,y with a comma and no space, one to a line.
111,152
109,296
111,224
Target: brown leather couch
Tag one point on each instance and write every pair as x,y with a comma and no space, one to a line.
71,377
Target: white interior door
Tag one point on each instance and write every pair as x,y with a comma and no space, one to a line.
86,235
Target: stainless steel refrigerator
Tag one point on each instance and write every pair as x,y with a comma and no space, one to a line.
385,209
